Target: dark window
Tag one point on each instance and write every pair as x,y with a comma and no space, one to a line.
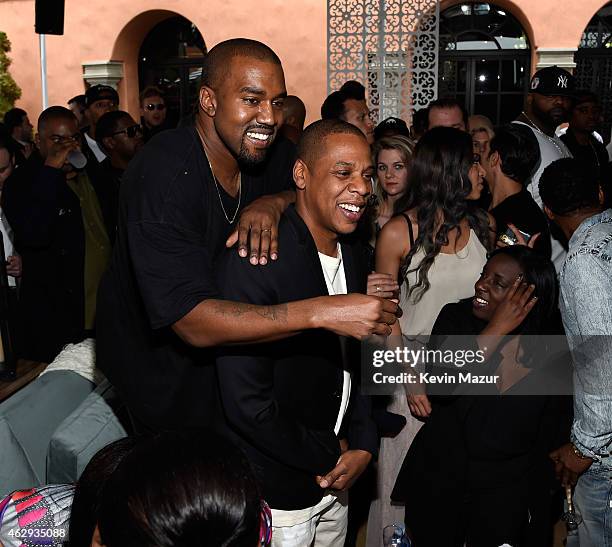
171,58
594,63
484,60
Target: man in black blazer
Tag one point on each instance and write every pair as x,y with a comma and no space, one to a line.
290,404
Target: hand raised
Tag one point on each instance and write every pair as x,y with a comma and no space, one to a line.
513,309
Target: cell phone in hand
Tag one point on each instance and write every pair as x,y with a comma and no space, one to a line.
509,238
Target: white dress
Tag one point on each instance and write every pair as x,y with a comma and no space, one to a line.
452,277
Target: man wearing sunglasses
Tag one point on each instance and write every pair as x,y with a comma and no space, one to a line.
152,112
120,138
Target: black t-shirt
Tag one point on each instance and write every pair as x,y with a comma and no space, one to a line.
522,211
171,229
594,155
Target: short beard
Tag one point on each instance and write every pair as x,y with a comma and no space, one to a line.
546,118
248,160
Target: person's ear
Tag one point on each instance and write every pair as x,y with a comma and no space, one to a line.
208,101
37,140
300,174
96,540
549,213
495,159
601,195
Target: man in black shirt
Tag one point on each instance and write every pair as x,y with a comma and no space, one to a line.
120,138
514,154
585,116
187,195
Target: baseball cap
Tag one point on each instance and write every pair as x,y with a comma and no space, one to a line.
553,81
100,92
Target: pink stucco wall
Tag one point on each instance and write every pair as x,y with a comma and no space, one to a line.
102,30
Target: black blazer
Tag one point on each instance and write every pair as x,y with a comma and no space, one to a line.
282,399
45,215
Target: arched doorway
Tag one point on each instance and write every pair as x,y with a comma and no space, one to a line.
171,58
485,60
594,62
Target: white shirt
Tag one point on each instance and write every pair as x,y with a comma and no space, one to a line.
7,240
551,149
335,279
95,148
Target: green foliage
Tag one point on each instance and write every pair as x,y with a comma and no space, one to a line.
9,90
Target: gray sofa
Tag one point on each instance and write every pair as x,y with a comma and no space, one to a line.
51,428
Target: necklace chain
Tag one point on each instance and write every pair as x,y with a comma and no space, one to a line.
551,139
219,194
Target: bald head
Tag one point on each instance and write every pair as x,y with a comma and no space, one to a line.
312,143
218,60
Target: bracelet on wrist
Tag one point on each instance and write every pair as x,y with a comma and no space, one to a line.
579,454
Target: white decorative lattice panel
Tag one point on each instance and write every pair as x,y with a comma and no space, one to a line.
391,46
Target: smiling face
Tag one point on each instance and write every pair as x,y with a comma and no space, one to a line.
496,279
247,107
392,171
333,192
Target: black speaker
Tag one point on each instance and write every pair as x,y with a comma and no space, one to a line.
49,17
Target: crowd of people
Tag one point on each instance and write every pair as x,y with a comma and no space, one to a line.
228,269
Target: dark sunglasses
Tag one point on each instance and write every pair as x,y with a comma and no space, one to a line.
131,131
151,107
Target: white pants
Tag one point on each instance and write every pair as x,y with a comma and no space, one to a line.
325,529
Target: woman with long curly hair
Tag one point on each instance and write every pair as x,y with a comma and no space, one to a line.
435,246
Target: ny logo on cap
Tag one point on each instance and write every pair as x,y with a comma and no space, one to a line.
562,82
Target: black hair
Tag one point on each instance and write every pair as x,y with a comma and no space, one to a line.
54,113
83,515
352,89
176,489
439,183
333,106
518,151
568,185
14,118
108,124
581,96
420,121
447,104
217,61
81,100
312,141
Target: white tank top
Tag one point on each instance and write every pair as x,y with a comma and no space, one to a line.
451,278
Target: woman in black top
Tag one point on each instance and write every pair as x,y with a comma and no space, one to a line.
478,471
